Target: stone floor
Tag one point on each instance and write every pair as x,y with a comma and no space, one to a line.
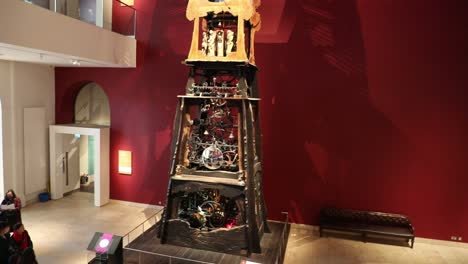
305,246
62,229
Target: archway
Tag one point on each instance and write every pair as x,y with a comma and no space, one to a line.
92,106
80,151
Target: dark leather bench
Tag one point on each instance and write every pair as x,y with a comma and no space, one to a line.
366,223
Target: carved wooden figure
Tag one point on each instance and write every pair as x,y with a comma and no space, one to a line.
205,43
242,10
229,41
220,43
212,43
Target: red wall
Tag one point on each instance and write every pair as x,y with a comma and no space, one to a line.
364,106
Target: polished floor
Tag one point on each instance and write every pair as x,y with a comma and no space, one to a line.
62,229
305,246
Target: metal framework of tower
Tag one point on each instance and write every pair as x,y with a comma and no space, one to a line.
215,198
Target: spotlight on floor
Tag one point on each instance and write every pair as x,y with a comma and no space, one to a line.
108,249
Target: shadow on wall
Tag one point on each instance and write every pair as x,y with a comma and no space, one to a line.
168,45
164,35
321,131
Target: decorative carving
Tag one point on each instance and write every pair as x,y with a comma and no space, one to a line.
222,17
220,43
211,43
229,42
224,240
205,42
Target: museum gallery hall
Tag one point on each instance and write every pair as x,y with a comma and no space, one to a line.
233,131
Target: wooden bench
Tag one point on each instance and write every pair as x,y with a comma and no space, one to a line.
366,223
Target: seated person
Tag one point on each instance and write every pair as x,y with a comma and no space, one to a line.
6,251
12,216
23,244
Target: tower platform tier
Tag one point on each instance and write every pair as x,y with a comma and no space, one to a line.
214,97
148,249
219,64
207,179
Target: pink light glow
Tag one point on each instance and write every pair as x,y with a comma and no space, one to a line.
231,223
103,247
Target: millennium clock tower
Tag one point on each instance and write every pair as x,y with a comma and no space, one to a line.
215,197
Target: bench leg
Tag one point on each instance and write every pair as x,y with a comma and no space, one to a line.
412,242
320,231
364,237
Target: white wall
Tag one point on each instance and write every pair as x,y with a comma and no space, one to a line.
36,151
22,86
6,90
108,14
83,154
26,26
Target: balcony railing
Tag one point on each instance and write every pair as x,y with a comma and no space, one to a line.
113,15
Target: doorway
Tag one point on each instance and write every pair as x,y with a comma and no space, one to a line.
86,154
79,160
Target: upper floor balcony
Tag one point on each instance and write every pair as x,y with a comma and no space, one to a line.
68,33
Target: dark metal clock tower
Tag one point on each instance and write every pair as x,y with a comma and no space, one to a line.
215,197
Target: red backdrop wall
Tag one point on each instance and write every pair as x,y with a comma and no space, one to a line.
364,106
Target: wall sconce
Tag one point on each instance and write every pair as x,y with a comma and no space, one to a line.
127,2
125,162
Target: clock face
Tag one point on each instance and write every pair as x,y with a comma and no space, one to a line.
212,157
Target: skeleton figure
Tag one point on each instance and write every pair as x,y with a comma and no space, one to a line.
229,41
211,43
220,43
205,42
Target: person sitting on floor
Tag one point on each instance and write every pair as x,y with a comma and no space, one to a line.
12,216
6,251
22,242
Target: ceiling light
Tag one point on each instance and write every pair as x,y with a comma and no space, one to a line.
75,62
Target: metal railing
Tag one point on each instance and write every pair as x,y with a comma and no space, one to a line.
142,256
156,257
141,228
284,240
124,16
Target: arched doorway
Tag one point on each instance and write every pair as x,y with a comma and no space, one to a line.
80,151
92,106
